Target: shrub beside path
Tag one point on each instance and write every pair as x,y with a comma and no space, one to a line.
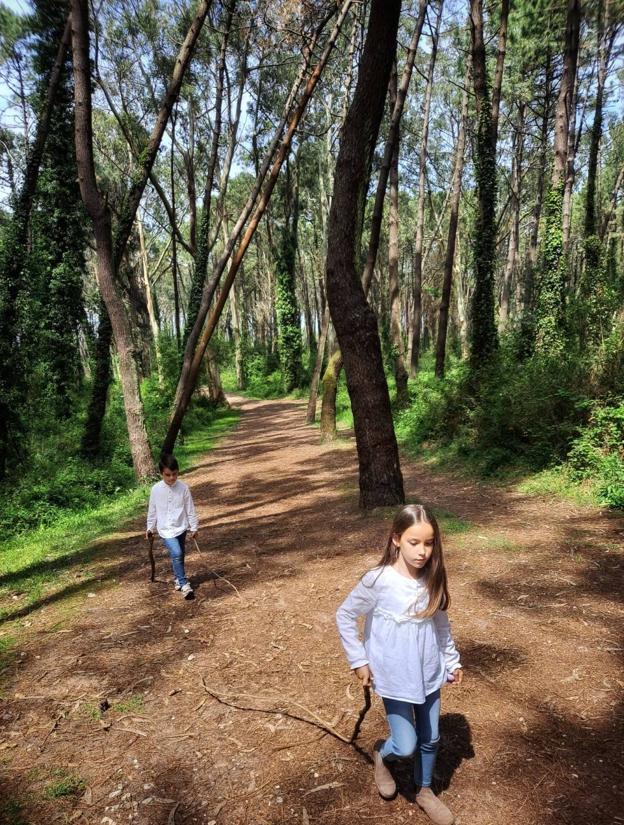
108,712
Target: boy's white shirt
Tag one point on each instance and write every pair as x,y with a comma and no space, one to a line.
171,510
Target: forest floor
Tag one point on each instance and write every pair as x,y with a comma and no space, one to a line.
533,736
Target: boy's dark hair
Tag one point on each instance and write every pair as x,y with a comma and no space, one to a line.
168,461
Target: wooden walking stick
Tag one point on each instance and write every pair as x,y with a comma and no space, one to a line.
151,557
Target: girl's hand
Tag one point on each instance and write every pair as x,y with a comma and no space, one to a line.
458,677
364,675
148,535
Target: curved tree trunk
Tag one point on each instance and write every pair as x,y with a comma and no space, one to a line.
381,482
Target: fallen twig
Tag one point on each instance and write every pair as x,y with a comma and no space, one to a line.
218,575
317,721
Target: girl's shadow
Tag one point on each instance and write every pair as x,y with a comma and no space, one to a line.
455,746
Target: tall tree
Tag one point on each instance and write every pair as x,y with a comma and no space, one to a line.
288,314
449,259
422,177
484,339
381,482
110,248
12,264
551,290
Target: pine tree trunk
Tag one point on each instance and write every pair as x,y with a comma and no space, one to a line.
316,375
394,296
381,482
449,260
551,301
514,221
330,391
101,381
420,219
484,340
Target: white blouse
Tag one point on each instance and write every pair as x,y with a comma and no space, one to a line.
409,657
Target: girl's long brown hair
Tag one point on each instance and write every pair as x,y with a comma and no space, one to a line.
434,571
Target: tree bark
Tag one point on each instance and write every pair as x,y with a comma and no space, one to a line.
394,296
606,34
316,375
420,219
99,391
551,303
203,244
514,220
330,390
449,260
384,171
484,340
566,218
381,482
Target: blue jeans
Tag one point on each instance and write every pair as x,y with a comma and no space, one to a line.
414,731
175,547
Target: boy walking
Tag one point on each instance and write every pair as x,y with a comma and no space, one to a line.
172,512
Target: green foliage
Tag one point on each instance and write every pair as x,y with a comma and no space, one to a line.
533,416
598,453
264,378
288,316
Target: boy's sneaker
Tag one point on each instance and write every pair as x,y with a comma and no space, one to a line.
177,585
187,591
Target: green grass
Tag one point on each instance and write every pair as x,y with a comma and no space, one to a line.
64,783
557,482
91,711
133,704
450,524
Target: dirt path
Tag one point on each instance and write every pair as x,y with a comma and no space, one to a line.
534,737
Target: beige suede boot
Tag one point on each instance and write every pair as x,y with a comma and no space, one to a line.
383,778
435,809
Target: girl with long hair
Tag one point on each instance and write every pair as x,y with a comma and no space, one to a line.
407,653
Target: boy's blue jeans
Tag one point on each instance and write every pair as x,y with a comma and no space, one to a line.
414,730
175,547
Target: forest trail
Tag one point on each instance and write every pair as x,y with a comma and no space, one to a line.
533,737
